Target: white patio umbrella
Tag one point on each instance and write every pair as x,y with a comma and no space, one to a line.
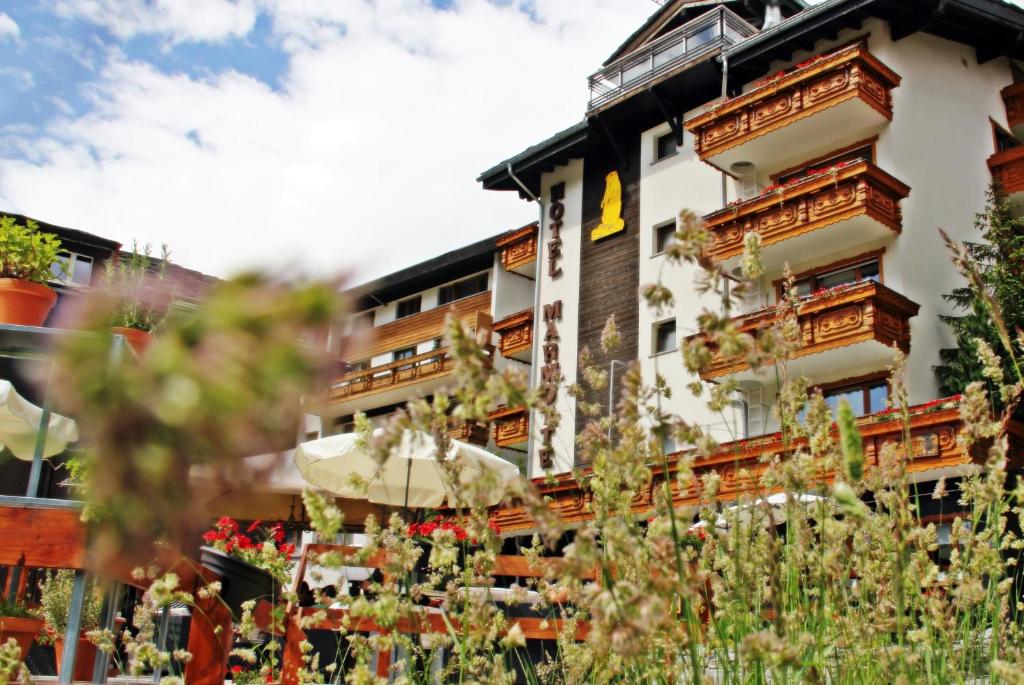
411,477
19,426
744,513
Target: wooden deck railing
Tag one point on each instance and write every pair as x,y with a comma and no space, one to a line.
844,75
934,427
824,199
835,318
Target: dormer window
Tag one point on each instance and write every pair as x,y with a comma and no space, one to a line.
72,268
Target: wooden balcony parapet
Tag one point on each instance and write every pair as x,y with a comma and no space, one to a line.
516,331
1007,169
394,374
1013,98
415,329
518,247
933,430
511,426
842,316
470,431
826,198
844,75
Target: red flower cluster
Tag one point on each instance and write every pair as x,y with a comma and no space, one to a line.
779,74
225,536
427,528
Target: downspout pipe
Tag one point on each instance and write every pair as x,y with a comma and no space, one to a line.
536,311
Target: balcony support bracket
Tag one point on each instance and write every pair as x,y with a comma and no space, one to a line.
675,122
613,141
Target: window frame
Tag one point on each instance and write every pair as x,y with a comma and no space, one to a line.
833,156
833,267
657,146
656,336
657,248
72,258
418,299
865,383
486,280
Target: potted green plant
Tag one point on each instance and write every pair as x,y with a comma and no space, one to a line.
17,622
55,604
136,279
27,259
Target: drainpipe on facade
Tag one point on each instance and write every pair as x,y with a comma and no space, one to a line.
536,311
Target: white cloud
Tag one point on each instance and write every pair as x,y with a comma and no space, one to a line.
180,20
22,78
365,159
8,28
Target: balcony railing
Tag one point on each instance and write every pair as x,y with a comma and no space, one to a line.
933,445
395,374
707,33
469,431
511,426
516,333
852,75
1007,169
834,195
839,317
518,248
1013,98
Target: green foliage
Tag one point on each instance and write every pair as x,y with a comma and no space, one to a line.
55,603
998,261
13,609
223,381
137,279
26,252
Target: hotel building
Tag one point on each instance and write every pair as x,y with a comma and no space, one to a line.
845,133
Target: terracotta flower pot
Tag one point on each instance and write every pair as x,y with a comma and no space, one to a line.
25,303
23,630
137,340
85,658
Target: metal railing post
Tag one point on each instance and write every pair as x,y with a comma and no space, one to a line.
161,640
67,662
111,605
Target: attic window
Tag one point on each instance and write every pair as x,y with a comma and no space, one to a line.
665,146
72,268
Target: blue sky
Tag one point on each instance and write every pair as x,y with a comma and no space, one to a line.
319,135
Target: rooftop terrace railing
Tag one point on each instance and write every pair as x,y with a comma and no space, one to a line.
714,30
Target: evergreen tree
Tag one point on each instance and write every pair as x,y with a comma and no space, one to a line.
1000,261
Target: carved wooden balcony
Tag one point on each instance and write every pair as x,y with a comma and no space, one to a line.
837,99
511,426
1013,98
838,208
855,324
519,249
933,430
470,431
516,333
1007,169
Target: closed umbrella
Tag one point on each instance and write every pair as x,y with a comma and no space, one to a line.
411,477
19,426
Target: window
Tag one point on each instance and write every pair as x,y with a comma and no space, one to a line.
408,307
1004,139
868,270
72,268
867,397
404,353
665,336
464,288
665,146
362,365
664,235
866,153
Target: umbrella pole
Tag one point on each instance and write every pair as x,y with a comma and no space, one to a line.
44,428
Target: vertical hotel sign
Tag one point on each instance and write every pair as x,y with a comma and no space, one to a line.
551,372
